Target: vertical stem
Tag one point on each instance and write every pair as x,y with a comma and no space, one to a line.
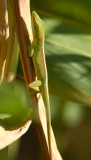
15,57
28,69
4,154
4,32
10,50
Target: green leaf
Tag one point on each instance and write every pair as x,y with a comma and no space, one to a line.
68,56
14,106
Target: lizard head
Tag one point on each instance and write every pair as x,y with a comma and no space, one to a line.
37,26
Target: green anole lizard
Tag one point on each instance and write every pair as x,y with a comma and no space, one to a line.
36,51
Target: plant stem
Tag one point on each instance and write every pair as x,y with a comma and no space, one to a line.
29,72
4,154
13,49
4,33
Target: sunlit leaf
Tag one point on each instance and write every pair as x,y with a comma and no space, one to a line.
68,55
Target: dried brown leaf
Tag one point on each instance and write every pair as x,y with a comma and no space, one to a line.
8,137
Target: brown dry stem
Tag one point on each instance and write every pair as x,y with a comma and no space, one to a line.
21,10
4,33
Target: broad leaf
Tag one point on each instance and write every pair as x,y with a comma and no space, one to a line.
14,106
68,55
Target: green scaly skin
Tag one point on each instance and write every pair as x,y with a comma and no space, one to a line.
38,56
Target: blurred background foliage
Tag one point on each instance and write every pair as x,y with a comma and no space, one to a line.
68,56
14,117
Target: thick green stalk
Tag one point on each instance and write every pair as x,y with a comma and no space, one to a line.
15,57
4,154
